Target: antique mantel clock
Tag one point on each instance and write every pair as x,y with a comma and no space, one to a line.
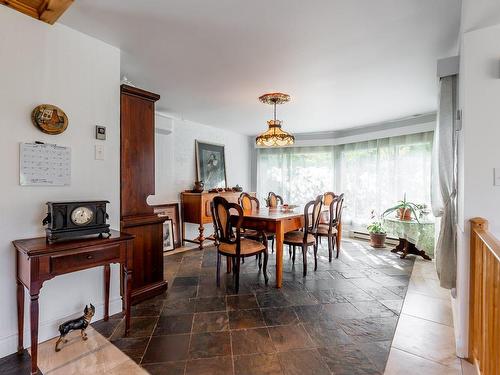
75,219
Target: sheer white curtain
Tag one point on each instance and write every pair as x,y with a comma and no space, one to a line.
298,174
444,183
374,175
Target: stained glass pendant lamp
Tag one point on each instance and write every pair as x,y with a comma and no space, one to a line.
275,136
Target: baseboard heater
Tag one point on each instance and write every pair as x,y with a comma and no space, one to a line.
366,237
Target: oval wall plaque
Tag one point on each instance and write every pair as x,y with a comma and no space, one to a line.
49,119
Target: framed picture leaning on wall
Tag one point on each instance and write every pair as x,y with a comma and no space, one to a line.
168,235
171,211
211,165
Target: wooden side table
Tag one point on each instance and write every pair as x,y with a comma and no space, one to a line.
415,237
39,261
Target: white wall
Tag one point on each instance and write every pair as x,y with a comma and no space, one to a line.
477,14
479,153
54,64
175,160
480,92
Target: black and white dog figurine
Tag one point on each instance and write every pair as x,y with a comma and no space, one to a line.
80,323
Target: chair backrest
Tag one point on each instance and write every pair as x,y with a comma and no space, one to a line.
328,198
311,219
273,200
340,207
224,224
248,203
335,210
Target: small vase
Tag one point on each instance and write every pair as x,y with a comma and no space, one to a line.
198,186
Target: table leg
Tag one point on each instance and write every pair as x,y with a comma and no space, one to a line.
201,238
399,247
20,317
412,249
107,274
183,232
127,282
405,247
280,234
34,332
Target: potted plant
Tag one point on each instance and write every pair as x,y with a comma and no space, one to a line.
404,210
377,234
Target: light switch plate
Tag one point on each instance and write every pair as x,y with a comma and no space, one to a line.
496,176
99,152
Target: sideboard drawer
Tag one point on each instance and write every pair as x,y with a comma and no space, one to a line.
81,260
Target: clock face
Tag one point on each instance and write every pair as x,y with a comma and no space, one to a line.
82,215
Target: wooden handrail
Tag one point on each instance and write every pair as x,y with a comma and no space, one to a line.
484,302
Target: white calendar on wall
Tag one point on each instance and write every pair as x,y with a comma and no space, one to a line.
42,164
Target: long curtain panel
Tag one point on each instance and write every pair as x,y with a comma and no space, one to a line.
298,174
444,183
373,175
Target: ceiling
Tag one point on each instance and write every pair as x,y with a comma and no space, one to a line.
345,63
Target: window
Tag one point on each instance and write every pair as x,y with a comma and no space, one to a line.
298,174
373,175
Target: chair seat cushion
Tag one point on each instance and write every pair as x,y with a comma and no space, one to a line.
323,230
297,237
247,247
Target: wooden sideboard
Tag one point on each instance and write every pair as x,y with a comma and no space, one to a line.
196,210
38,261
137,182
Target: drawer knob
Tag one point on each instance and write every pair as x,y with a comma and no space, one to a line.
89,256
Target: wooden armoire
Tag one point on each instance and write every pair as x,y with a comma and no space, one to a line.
137,182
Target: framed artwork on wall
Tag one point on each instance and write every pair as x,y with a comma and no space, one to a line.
171,211
211,165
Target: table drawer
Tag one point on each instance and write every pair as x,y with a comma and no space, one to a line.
293,223
63,263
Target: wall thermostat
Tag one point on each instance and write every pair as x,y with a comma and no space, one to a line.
100,132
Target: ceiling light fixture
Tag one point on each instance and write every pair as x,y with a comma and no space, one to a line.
275,136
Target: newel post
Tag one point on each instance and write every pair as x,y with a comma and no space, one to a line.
479,223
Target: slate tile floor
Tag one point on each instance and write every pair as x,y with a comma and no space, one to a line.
338,320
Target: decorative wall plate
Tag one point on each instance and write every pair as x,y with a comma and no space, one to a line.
49,119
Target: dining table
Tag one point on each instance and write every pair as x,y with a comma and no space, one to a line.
278,221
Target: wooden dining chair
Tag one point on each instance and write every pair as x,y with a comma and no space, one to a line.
307,236
273,200
327,199
248,202
227,219
331,229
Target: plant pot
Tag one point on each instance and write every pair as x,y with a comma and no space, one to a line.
404,214
377,240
